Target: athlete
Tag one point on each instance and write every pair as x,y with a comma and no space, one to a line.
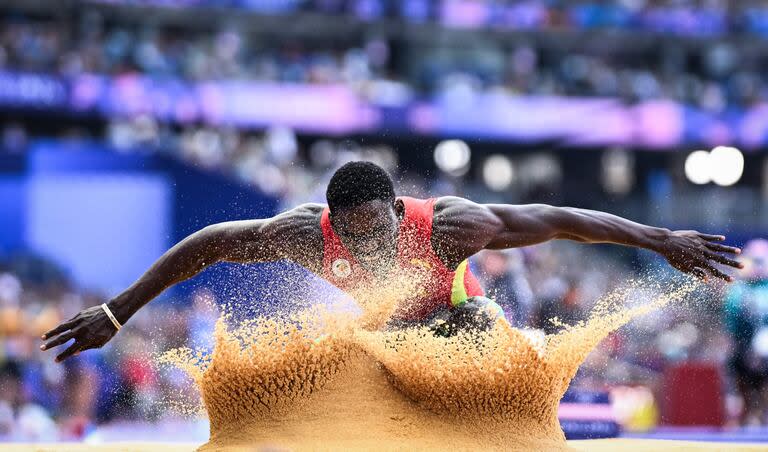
365,232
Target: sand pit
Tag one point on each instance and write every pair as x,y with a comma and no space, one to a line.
321,381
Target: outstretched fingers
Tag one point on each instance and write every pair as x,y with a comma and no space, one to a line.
71,350
58,341
712,237
717,247
59,329
723,259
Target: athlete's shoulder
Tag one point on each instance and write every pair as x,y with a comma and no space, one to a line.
302,219
307,211
450,206
459,228
297,232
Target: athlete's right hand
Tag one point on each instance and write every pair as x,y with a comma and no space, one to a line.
696,253
91,328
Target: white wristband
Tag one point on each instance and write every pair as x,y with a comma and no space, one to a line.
111,316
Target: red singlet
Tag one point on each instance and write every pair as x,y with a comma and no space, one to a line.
442,287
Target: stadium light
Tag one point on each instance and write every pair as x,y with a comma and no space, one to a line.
697,167
498,172
724,165
727,165
452,157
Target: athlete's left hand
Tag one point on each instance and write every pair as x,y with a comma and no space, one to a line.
91,328
697,253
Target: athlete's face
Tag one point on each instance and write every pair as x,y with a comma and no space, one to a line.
369,231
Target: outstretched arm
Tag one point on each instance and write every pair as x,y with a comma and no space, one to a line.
292,235
462,228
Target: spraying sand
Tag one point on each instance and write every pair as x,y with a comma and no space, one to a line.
331,382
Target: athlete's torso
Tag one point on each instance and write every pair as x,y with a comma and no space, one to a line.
436,285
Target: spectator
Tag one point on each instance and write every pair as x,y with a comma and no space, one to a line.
746,314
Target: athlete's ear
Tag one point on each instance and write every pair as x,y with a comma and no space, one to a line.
400,208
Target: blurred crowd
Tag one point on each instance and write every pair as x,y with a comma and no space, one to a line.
274,162
387,69
680,17
42,400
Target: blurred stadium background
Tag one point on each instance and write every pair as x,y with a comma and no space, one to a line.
126,125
